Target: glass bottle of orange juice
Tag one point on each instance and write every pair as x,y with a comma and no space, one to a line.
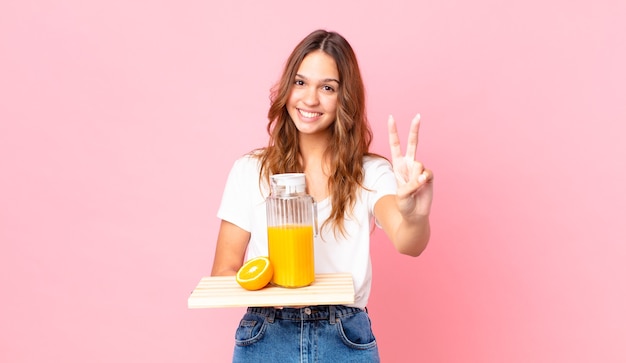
291,225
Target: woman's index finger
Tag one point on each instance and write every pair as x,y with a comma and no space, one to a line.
394,140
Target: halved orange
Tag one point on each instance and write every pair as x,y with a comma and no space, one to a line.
255,274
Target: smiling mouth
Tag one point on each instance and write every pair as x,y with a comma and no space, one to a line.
309,114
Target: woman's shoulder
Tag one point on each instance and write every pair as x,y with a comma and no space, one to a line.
251,157
375,161
250,162
378,175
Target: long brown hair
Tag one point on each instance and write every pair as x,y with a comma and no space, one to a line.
350,132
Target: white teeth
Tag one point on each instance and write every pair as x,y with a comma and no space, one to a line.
309,114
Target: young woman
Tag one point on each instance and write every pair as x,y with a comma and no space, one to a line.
318,126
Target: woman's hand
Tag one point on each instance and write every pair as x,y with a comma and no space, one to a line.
415,182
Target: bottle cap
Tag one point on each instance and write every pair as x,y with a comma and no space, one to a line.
288,183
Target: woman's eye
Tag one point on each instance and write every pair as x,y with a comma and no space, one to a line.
299,82
328,89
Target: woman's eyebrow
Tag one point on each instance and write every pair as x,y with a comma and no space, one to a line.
325,80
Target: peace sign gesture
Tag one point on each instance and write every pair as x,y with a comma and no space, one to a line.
415,182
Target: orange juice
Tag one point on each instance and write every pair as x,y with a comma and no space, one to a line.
291,254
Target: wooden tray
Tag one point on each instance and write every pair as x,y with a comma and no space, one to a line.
223,292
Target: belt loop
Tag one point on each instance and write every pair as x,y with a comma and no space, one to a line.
271,315
331,314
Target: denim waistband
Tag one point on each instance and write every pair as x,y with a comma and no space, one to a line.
318,312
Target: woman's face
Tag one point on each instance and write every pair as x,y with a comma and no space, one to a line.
312,103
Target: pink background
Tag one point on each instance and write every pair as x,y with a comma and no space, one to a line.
120,120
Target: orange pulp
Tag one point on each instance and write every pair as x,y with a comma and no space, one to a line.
255,274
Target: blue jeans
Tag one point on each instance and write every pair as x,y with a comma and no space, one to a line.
334,333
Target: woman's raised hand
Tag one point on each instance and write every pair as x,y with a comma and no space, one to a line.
415,182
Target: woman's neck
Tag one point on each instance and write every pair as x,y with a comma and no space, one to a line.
313,147
315,163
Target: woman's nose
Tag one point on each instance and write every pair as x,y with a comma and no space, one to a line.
310,96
